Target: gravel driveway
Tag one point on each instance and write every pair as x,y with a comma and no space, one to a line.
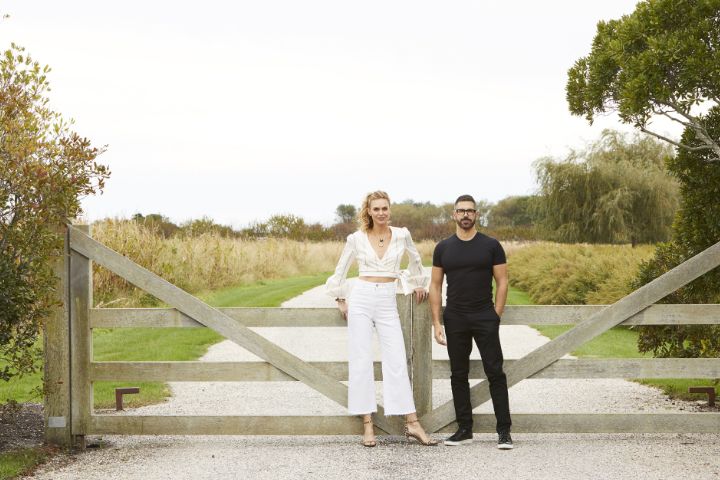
536,456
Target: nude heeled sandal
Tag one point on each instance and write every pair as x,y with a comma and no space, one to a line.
409,434
368,443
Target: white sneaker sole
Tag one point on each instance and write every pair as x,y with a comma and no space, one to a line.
504,446
452,443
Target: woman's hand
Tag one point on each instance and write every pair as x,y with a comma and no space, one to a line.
420,294
343,307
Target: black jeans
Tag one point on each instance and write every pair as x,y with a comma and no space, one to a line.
460,330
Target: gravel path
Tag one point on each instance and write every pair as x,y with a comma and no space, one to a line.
536,456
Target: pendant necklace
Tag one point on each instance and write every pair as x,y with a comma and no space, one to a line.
381,244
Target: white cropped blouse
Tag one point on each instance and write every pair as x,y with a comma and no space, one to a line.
358,248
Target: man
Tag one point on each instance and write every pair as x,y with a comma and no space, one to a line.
471,260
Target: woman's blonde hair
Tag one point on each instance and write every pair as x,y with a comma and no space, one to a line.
364,219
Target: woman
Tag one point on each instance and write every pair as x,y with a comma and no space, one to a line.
378,249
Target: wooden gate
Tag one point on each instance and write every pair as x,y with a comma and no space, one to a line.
71,370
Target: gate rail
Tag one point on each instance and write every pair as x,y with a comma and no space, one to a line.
71,370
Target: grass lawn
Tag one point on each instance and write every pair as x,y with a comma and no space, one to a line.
518,297
621,342
168,344
17,462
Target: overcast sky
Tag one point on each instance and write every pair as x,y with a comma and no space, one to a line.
239,110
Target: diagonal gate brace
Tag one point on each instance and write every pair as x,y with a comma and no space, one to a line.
595,325
218,321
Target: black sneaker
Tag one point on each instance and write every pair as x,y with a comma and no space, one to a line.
462,436
505,441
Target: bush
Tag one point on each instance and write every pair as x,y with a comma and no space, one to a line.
696,227
561,274
45,169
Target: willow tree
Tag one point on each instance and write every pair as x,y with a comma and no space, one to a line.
615,191
45,170
661,61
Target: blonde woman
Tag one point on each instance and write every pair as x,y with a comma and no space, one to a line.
378,248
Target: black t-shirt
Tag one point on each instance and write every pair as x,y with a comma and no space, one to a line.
468,266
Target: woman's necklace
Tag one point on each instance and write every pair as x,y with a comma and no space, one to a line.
381,240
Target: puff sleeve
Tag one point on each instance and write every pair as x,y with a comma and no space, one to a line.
337,285
414,276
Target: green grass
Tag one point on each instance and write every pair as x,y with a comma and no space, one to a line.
621,342
168,344
518,297
17,462
618,342
678,387
23,389
183,344
269,293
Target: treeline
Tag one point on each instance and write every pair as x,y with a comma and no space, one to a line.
509,219
617,190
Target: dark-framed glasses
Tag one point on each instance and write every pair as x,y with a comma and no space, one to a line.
465,211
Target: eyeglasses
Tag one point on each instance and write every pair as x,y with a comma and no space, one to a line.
465,211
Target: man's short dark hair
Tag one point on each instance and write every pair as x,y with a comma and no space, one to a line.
465,198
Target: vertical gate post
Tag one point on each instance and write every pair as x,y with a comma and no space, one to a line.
404,304
421,358
81,392
56,352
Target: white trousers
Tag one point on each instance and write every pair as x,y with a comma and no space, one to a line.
374,304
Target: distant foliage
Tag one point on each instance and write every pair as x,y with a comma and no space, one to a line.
513,211
514,218
345,213
425,220
562,274
616,191
159,223
696,227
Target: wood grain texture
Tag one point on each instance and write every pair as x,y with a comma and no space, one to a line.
328,317
56,346
341,425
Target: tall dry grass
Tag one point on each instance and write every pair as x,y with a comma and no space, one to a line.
204,262
210,261
576,274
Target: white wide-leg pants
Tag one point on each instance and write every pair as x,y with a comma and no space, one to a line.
374,304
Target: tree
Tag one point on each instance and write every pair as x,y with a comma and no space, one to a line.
286,226
614,192
345,213
159,223
45,169
423,219
202,226
663,60
696,227
513,211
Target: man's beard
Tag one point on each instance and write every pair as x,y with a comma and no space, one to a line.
466,223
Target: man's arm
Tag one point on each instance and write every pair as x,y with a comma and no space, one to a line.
436,280
500,274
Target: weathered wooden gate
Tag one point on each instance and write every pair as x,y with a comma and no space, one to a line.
71,370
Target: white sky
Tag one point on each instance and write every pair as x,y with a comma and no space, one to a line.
239,110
